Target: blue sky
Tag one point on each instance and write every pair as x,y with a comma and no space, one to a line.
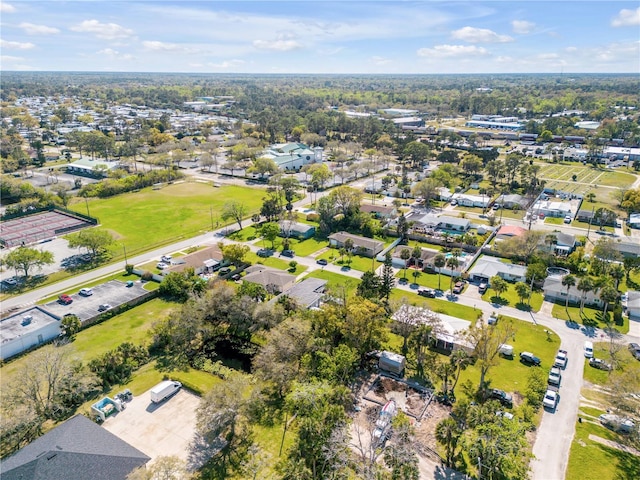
321,37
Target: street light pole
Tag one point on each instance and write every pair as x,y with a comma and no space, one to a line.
86,202
125,255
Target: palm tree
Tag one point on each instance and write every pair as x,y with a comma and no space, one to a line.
452,263
584,285
568,281
447,434
439,261
607,295
459,359
416,255
617,273
405,255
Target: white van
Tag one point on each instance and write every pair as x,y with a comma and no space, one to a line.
164,390
588,349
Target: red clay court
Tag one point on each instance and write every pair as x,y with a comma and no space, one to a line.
38,227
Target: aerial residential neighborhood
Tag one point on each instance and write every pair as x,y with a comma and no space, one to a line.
259,264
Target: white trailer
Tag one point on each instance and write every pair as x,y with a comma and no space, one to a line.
164,390
392,362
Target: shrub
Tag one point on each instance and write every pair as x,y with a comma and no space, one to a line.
128,268
617,315
313,217
147,276
536,387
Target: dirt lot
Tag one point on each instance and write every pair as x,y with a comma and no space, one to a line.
157,430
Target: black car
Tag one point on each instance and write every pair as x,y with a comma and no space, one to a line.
288,253
529,359
427,292
322,261
503,397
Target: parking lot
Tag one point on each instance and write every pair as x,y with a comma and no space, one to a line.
157,429
114,293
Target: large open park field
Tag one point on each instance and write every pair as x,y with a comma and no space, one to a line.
151,217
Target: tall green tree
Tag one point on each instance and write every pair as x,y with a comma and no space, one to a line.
388,281
439,261
234,210
26,258
568,281
95,240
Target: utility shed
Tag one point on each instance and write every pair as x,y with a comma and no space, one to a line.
392,362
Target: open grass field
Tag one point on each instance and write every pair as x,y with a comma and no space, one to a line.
362,264
150,217
510,297
511,375
335,280
585,175
437,305
589,317
131,326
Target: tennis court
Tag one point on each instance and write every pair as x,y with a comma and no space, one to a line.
38,227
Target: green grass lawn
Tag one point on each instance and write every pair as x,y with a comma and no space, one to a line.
363,264
511,375
335,280
150,218
131,326
281,263
437,305
594,375
589,459
510,297
589,316
308,246
429,280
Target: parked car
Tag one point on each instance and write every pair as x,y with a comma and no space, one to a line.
86,292
162,266
166,258
12,282
599,364
634,348
263,252
457,288
104,307
555,376
483,287
568,219
224,271
503,397
322,261
588,349
493,319
427,292
529,358
550,399
288,253
65,299
561,359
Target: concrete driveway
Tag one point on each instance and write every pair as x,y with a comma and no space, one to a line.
158,430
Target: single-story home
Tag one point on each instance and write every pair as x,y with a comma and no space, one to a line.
91,168
379,211
554,291
553,208
511,201
203,261
627,248
487,267
465,200
633,305
308,293
506,232
565,243
25,330
430,222
74,450
273,280
298,230
585,216
425,261
367,247
444,194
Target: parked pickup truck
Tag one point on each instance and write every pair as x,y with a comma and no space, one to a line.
561,359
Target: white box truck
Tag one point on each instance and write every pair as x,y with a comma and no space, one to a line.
164,390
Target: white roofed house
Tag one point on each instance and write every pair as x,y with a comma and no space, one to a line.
554,291
464,200
289,228
367,247
487,267
273,280
633,305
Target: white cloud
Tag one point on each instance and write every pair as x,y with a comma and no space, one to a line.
157,46
115,54
33,29
10,59
447,51
376,60
6,8
16,45
282,43
227,64
479,35
627,18
106,31
522,27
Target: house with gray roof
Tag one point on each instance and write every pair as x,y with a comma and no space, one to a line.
511,201
367,247
633,305
298,230
487,267
554,291
272,279
627,248
77,449
293,156
308,293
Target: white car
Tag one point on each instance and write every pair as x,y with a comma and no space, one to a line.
166,258
162,266
617,423
86,292
588,349
554,376
550,399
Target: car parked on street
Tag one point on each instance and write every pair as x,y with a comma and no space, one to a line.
322,261
86,292
427,292
65,299
550,399
529,359
561,359
588,349
555,376
503,397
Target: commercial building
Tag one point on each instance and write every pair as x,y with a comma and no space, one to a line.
26,330
293,156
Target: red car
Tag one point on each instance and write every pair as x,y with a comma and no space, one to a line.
65,299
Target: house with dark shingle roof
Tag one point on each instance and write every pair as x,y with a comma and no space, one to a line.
78,449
